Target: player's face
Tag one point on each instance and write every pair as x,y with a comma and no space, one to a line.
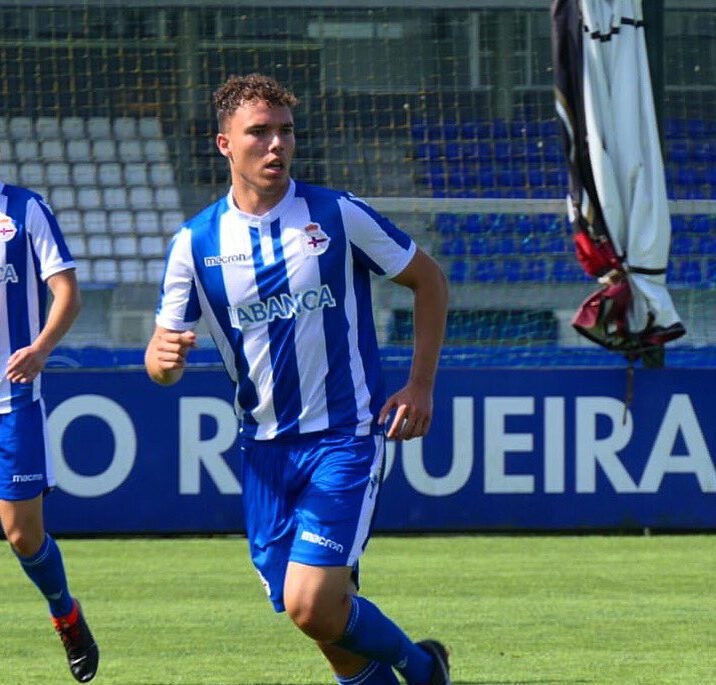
259,143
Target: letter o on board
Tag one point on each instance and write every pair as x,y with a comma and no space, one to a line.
125,444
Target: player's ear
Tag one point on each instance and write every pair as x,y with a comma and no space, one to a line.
222,142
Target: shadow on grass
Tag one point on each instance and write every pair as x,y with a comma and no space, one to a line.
536,681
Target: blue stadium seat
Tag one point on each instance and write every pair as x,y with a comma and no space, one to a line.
502,151
535,270
486,177
454,247
479,246
696,128
689,272
682,245
555,244
707,245
418,132
700,223
553,151
502,246
518,150
485,151
567,270
486,271
447,223
536,176
428,151
513,271
711,271
549,128
453,150
675,128
703,151
458,271
469,130
677,151
476,223
500,129
518,128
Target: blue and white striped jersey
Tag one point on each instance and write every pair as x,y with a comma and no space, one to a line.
287,300
31,250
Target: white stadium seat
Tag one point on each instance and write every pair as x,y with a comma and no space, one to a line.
150,128
63,197
89,197
27,151
125,246
151,246
84,174
155,270
3,127
58,174
8,172
161,174
105,271
21,128
130,151
83,269
147,223
6,151
125,128
104,150
131,271
136,174
32,174
115,198
70,221
95,221
52,151
99,246
99,128
73,128
167,198
78,151
121,221
141,197
110,174
156,151
48,128
76,245
171,221
42,191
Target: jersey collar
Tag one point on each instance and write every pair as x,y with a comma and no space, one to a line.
269,216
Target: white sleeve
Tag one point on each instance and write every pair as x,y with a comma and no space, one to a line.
378,244
179,308
47,240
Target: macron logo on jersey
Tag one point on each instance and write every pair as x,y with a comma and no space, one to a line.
320,540
221,259
8,274
282,306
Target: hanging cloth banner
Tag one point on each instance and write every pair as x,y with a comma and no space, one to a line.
617,193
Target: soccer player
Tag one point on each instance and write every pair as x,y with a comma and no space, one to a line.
280,271
33,255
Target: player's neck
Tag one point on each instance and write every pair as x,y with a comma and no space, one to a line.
251,201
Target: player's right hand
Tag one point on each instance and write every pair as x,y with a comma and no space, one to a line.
172,348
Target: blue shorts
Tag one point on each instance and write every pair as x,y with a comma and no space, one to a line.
309,499
25,464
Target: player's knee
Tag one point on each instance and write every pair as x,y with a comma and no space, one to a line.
319,620
25,543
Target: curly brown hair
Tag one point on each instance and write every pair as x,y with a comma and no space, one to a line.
237,90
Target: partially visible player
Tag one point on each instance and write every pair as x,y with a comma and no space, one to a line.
280,271
33,255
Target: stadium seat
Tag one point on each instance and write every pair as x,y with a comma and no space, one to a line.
130,151
151,246
70,221
486,271
76,245
99,128
104,150
99,246
479,246
707,245
115,198
124,128
682,245
27,151
513,270
675,128
58,174
155,270
447,223
125,246
52,151
32,174
150,128
63,197
89,197
110,174
689,272
146,222
47,128
171,221
7,153
156,151
84,174
131,271
8,171
3,128
135,174
121,221
535,270
105,271
95,221
548,128
458,271
21,128
83,269
78,151
73,128
711,271
141,197
454,246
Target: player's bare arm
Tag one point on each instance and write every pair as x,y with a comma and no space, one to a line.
24,364
166,354
413,404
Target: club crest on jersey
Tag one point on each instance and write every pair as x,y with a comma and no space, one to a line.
7,228
315,241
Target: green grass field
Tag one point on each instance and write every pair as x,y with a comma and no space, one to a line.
542,610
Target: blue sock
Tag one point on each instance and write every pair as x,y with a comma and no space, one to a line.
46,570
373,674
373,635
